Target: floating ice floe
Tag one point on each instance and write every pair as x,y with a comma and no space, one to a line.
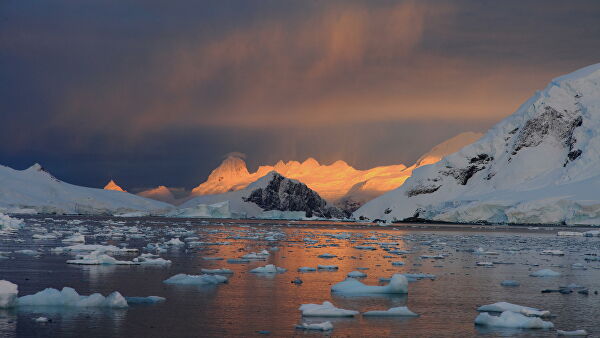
238,260
212,258
175,242
365,247
269,268
327,267
183,279
92,247
41,320
504,306
553,252
306,269
327,255
68,297
397,284
325,310
510,283
27,252
144,300
509,319
217,271
545,273
150,259
400,311
8,294
76,238
98,258
485,264
10,224
324,326
581,333
257,255
398,263
357,274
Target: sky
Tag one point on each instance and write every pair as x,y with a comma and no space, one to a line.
157,92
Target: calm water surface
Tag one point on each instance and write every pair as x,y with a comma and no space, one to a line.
256,305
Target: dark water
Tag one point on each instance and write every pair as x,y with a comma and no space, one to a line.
250,303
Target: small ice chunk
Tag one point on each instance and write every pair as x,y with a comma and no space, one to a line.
486,264
324,326
41,320
325,310
183,279
327,255
398,263
545,273
509,319
553,252
401,311
217,271
365,247
398,284
357,274
8,294
306,269
269,268
327,267
175,242
581,333
510,283
144,300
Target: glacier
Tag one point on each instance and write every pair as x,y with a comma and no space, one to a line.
538,166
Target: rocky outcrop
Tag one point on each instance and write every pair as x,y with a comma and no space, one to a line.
284,194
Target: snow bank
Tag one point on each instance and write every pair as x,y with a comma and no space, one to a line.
401,311
183,279
68,297
8,294
398,284
325,310
510,319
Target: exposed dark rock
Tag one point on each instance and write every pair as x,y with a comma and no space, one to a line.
419,190
284,194
573,155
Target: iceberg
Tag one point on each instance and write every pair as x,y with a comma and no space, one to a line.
8,294
324,326
504,306
325,310
68,297
510,319
400,311
269,269
183,279
398,284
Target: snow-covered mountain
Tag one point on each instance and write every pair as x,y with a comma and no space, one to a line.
37,190
383,179
160,193
112,185
338,182
271,196
539,165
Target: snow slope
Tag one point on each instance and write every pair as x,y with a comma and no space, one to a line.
539,165
35,188
271,196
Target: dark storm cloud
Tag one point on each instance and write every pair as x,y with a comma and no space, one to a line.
156,92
